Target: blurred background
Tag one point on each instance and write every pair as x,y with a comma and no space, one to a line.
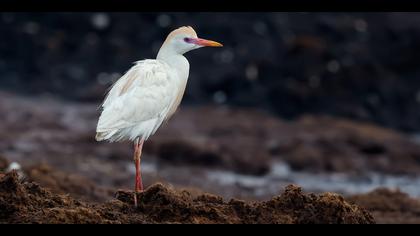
329,101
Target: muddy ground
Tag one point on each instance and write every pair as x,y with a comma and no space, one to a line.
48,196
23,202
65,173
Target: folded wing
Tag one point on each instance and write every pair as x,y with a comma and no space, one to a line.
137,103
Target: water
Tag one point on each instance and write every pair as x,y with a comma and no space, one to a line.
227,182
282,175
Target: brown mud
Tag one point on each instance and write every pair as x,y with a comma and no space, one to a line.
46,195
28,202
389,206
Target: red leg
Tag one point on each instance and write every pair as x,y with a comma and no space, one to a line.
138,146
139,182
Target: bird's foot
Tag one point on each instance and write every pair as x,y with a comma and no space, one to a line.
128,196
135,197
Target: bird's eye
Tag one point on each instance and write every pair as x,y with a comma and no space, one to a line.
187,40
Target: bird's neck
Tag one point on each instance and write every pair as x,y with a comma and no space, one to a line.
167,54
176,61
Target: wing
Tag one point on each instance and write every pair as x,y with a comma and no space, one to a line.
145,92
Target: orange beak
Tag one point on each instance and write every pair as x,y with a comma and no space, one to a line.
206,43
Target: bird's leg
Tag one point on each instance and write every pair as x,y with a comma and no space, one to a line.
138,146
139,182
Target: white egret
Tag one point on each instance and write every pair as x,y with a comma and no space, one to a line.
148,94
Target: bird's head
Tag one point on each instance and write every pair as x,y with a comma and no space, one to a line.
184,39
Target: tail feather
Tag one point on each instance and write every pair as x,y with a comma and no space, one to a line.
100,136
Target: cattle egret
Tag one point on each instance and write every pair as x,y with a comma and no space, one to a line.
148,94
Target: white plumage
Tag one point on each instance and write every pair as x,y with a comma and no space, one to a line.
150,91
139,101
